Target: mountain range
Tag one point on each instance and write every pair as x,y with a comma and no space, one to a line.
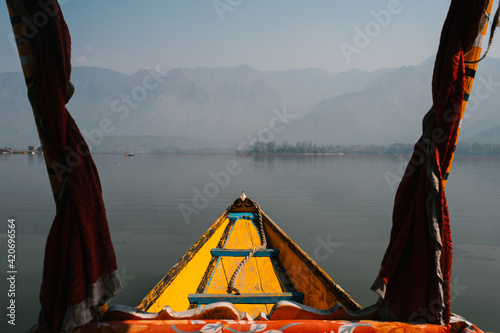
229,108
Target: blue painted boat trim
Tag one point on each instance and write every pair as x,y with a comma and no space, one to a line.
230,233
246,298
242,216
244,253
285,283
211,276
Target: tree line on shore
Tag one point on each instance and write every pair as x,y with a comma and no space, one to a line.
261,147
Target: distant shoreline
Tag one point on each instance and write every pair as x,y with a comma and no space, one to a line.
309,148
285,149
19,152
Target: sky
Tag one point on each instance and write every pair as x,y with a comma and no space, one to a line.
336,35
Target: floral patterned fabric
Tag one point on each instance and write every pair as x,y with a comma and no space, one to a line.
287,326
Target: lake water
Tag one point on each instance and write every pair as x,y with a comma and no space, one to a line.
342,200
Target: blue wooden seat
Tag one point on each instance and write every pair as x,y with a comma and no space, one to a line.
269,298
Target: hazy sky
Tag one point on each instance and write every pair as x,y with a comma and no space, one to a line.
266,34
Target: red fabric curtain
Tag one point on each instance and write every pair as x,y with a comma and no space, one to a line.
414,280
80,270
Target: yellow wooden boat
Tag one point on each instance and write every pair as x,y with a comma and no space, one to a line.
245,274
277,271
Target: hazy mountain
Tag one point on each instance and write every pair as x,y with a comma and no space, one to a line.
491,135
208,104
17,125
223,107
391,107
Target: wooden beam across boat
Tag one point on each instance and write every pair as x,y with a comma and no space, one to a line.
263,298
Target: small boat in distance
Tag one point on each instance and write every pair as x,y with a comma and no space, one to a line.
129,154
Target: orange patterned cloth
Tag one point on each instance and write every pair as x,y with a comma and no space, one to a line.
287,326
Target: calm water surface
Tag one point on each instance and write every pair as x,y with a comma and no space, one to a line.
342,200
